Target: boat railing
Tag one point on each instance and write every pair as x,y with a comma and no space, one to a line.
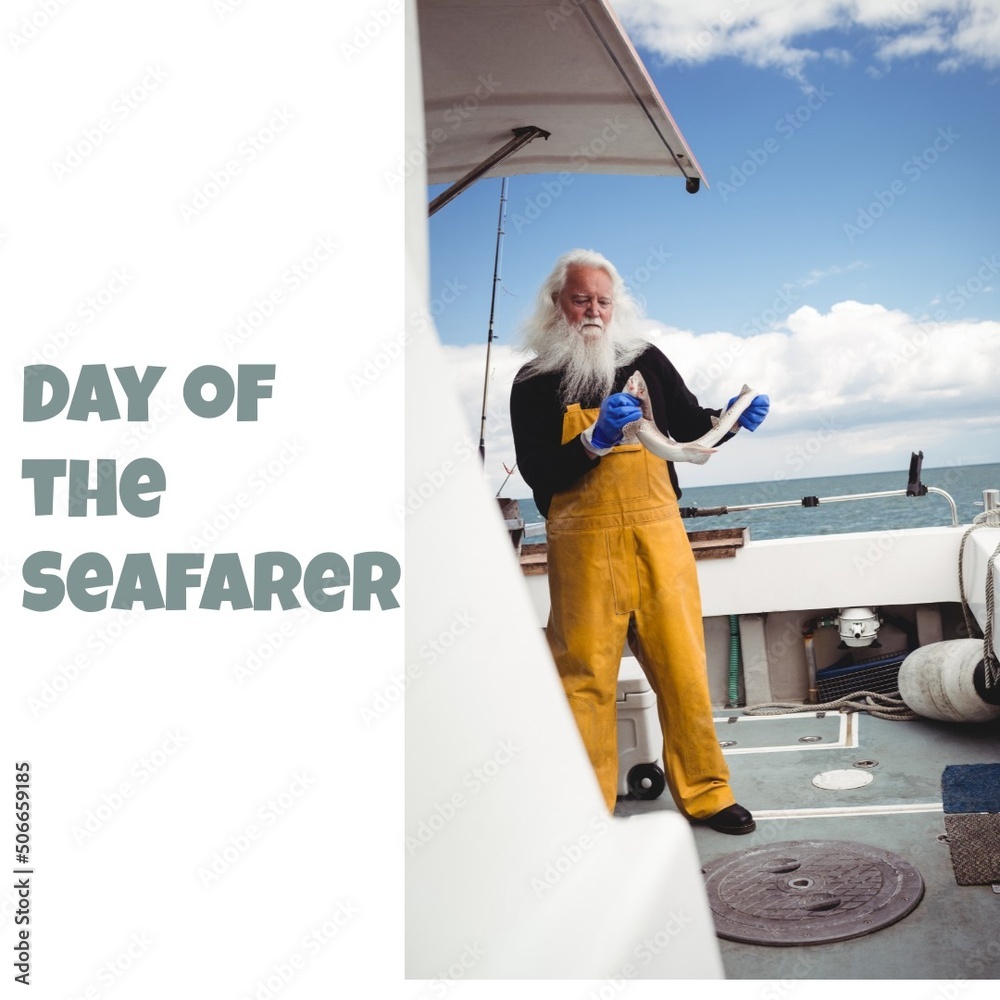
914,488
813,501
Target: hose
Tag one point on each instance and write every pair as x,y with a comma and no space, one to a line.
734,661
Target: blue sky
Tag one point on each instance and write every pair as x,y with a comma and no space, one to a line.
844,257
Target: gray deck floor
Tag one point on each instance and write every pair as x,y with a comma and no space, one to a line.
954,933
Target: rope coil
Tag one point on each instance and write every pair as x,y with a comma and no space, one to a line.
876,703
991,666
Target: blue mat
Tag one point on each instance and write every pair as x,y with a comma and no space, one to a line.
971,788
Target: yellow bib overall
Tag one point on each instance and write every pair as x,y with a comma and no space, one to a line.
620,565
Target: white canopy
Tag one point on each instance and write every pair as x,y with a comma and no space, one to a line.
568,69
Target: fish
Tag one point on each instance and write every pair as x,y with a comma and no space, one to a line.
645,432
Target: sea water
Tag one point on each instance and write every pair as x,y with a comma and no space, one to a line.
964,483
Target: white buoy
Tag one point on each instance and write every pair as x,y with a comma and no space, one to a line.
936,681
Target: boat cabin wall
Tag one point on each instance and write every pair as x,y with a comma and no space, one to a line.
772,648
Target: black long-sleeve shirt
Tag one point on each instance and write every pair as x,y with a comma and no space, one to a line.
536,413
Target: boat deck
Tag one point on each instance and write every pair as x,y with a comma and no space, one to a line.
954,932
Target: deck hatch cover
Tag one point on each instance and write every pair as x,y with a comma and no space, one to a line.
809,892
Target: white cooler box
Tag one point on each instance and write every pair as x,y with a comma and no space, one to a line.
640,740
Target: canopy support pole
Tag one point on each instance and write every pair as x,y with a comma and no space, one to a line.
522,136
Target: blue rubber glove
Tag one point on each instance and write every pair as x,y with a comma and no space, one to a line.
617,411
753,416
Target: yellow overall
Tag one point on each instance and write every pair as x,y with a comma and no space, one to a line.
620,566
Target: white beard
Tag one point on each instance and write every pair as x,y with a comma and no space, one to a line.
587,358
588,362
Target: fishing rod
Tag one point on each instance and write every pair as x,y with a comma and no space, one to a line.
493,301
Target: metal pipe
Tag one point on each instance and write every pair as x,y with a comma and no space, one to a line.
814,502
522,136
813,696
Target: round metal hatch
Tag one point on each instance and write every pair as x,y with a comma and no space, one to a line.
809,892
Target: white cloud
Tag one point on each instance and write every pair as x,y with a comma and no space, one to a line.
778,33
855,389
818,274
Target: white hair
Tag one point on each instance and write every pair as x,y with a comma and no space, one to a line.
588,369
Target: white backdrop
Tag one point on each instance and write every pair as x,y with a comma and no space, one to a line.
191,184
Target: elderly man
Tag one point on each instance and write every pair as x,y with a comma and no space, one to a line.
619,563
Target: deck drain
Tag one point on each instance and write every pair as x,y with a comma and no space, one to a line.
810,739
809,892
727,743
